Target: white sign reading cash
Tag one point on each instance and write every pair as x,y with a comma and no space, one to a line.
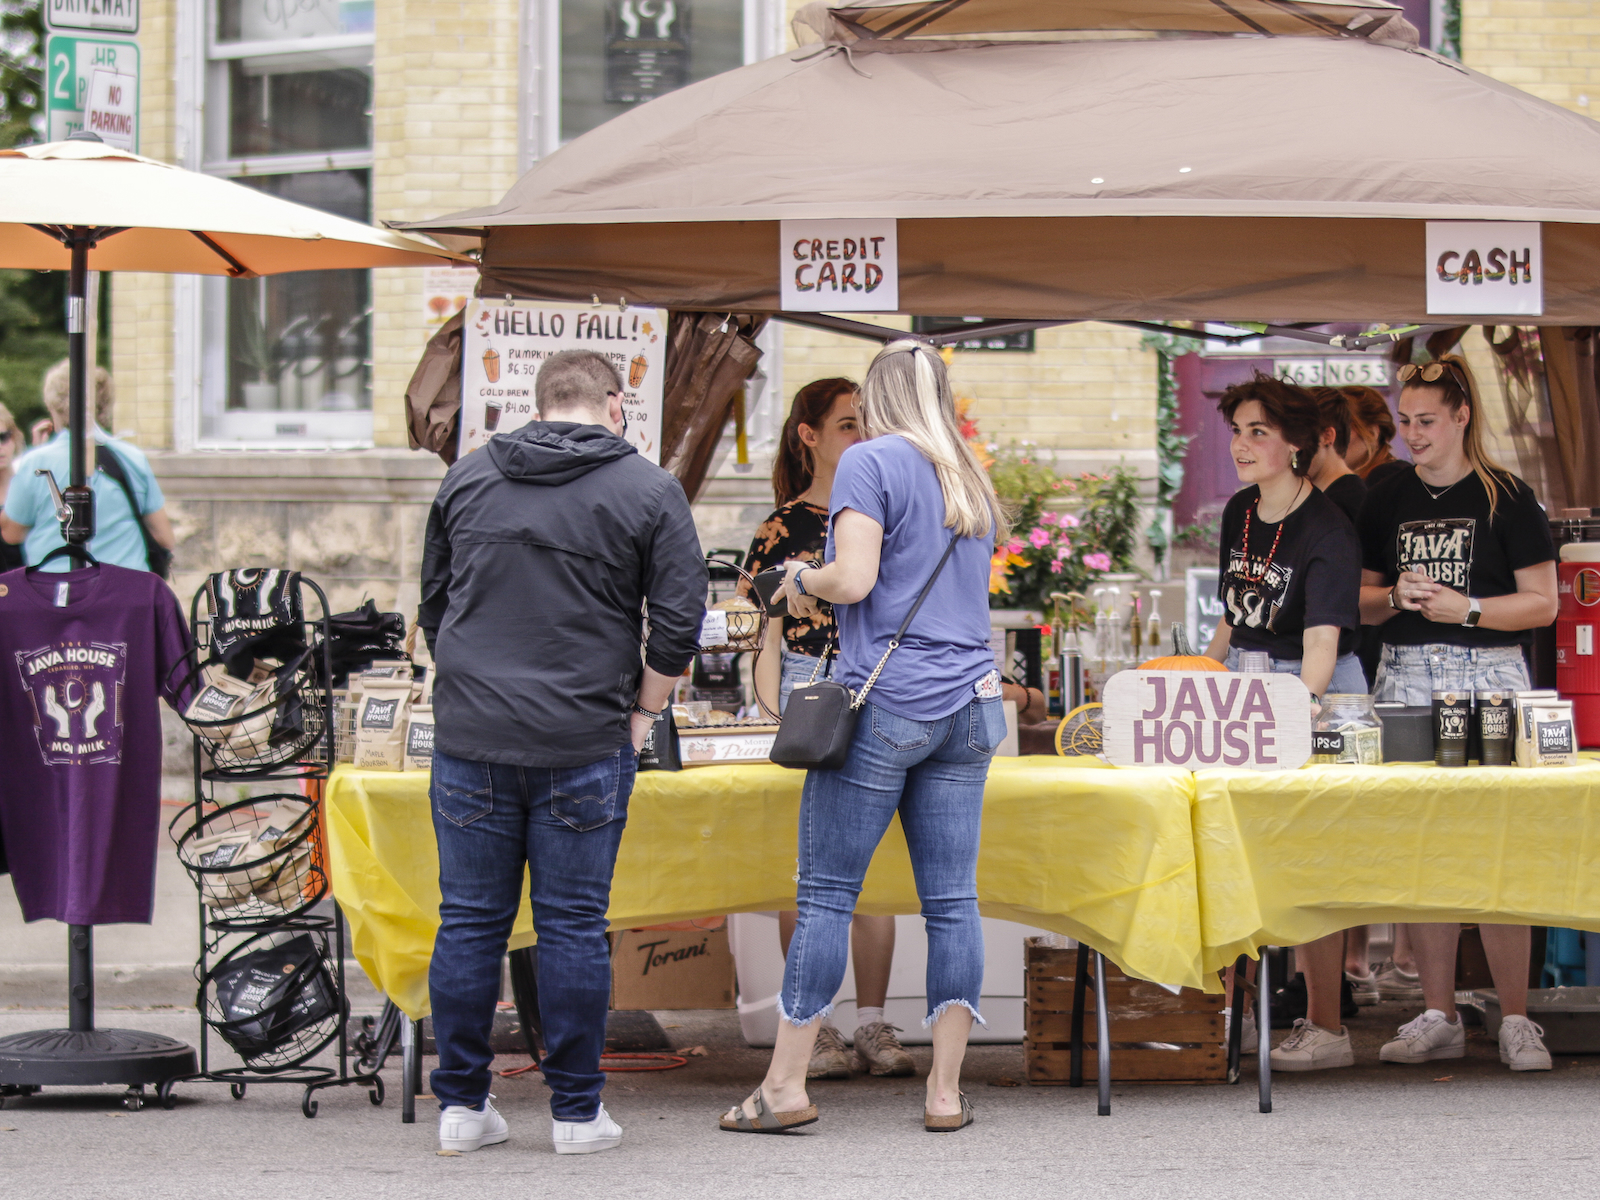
839,266
507,341
1485,268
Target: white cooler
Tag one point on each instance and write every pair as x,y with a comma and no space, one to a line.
754,938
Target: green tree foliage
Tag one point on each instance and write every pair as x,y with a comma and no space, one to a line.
1171,446
31,302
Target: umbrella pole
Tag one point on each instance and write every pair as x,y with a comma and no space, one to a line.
78,527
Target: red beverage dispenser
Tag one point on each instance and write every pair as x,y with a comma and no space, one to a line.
1577,663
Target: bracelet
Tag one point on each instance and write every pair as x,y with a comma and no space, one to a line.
645,712
1392,603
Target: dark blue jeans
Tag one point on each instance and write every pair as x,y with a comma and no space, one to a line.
565,824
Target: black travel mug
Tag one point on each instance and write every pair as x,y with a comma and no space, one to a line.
1452,716
1494,727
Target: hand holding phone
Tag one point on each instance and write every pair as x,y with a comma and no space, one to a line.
767,584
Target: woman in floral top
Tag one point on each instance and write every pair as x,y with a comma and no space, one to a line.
821,426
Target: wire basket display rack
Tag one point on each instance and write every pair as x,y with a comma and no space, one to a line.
270,970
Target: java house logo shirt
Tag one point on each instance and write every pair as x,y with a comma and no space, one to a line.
1440,549
76,692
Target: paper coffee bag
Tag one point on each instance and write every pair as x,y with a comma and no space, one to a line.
381,724
419,739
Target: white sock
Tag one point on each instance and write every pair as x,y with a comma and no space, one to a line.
1440,1014
868,1016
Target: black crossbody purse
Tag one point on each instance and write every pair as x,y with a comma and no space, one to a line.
820,721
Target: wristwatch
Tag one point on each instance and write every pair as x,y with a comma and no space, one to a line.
1474,612
799,587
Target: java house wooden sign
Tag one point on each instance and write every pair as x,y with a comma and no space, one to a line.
1199,719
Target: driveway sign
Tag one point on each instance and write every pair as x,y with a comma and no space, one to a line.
107,16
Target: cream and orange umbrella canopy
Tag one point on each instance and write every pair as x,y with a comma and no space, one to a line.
176,221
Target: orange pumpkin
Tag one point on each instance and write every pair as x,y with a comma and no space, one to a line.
1183,658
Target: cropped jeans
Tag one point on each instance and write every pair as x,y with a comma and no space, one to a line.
564,824
932,773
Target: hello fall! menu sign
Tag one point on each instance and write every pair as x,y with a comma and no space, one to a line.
508,340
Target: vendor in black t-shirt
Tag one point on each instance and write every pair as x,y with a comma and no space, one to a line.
1289,563
1458,567
1329,472
1289,584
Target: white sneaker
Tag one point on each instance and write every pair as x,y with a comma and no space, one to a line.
463,1128
586,1137
1312,1048
1429,1037
1395,984
1249,1041
1522,1045
1363,988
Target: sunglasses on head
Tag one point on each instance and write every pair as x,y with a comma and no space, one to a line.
1427,372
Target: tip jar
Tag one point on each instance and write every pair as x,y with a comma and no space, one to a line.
1347,730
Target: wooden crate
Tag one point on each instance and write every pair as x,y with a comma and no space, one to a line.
1140,1012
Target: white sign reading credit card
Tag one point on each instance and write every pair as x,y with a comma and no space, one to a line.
1485,268
839,266
507,342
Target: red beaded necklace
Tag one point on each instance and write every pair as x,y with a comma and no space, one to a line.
1276,538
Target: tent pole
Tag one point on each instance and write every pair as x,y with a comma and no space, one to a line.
78,348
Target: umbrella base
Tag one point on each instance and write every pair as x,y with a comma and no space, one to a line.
69,1058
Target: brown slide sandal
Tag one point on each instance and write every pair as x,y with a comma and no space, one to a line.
767,1121
951,1123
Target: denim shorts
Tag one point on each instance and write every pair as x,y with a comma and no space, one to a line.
1348,677
1411,674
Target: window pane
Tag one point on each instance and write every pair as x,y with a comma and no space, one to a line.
299,342
277,107
618,53
278,20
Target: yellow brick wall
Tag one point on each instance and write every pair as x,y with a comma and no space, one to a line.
141,305
1548,47
445,129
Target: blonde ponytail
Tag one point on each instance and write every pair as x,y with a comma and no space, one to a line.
907,391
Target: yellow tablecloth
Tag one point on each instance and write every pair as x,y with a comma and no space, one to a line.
1283,859
1103,855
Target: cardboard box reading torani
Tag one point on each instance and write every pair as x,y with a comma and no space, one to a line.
671,968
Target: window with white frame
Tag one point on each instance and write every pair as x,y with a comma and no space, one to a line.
288,109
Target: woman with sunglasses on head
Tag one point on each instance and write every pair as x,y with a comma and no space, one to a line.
10,448
914,519
1458,569
821,426
1289,578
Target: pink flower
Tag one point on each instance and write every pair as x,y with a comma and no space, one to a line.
1068,521
1039,538
1048,518
1014,546
1097,562
1063,547
1055,566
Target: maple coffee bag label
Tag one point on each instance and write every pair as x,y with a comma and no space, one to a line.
381,724
419,739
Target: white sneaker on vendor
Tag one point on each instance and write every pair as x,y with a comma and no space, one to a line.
1363,988
1522,1045
1312,1048
1249,1040
586,1137
462,1128
1428,1037
1395,984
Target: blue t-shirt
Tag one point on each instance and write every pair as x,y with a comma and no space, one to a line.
117,539
946,649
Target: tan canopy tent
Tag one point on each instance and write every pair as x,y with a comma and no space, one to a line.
1201,175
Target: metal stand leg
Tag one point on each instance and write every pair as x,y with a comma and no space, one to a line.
410,1062
1080,982
1264,1027
1102,1029
1236,1024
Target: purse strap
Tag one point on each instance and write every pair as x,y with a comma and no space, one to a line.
894,642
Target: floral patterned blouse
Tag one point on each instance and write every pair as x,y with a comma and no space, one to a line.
796,530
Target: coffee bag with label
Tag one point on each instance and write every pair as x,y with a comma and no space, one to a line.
222,885
419,739
1553,741
381,724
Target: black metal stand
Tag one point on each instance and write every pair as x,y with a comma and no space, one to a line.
220,934
81,1055
1102,1027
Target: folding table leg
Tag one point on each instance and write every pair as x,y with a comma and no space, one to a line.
1080,982
1264,1031
1102,1027
410,1065
1236,1024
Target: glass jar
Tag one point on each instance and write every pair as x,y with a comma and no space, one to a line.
1347,730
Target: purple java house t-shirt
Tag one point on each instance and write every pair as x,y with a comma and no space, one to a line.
81,791
946,649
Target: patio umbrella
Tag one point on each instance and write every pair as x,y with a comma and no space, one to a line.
81,206
1190,177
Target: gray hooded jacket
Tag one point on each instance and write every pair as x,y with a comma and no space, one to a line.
542,550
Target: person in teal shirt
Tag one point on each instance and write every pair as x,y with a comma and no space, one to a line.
29,518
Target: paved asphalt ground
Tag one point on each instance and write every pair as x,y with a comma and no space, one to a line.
1446,1129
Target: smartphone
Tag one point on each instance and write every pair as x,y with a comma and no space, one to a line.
767,583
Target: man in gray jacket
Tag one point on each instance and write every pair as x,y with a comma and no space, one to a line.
543,550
